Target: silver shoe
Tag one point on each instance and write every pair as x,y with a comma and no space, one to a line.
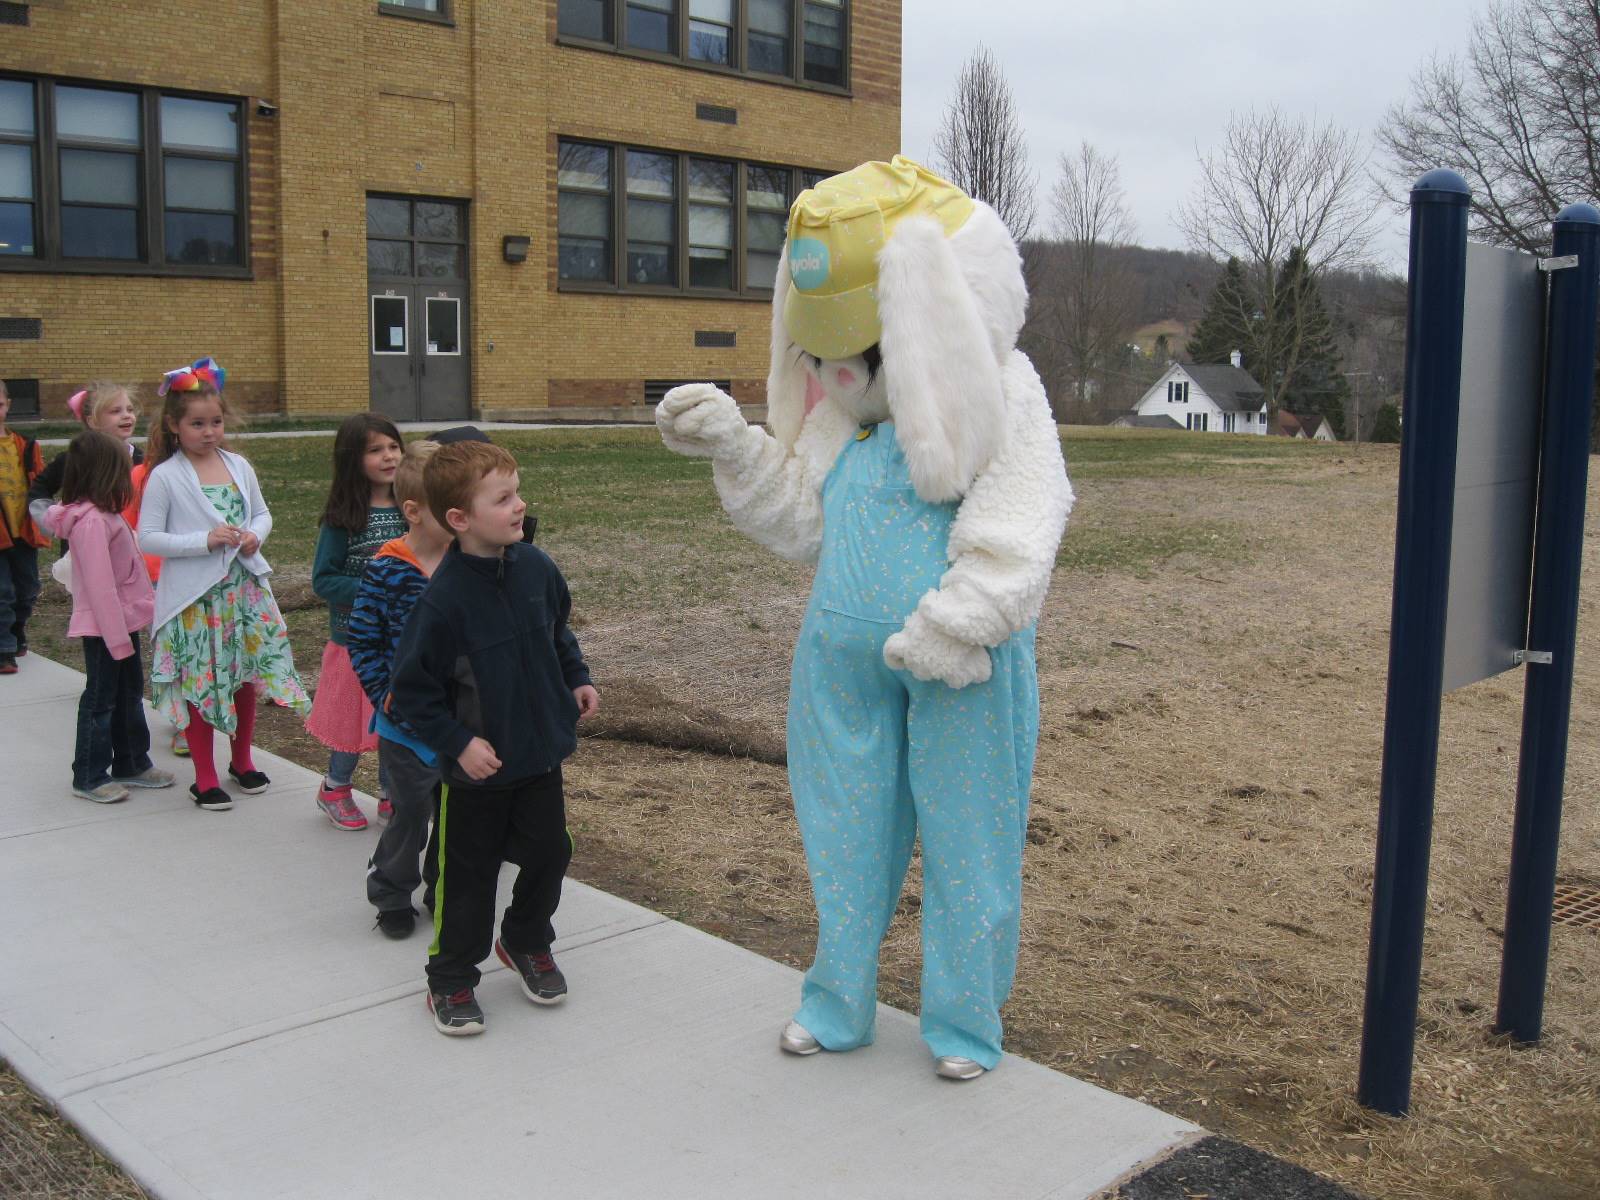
951,1066
796,1040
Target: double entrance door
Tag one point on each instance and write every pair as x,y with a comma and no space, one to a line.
417,318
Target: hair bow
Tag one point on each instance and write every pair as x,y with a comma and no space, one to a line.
75,403
189,379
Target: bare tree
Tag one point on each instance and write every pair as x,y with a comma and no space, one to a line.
1085,298
979,145
1281,187
1517,115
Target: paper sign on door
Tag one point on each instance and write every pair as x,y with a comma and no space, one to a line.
397,336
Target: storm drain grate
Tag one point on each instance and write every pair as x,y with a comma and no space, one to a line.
1577,905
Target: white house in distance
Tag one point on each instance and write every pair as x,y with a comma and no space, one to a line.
1209,397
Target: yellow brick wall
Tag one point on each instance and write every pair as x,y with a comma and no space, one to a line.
469,111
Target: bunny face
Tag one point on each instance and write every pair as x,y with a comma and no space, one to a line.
855,385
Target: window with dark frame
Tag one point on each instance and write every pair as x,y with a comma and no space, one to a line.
804,41
720,230
18,194
120,178
434,8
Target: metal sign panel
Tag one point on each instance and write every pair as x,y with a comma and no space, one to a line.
1497,464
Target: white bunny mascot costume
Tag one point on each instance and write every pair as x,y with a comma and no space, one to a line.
913,457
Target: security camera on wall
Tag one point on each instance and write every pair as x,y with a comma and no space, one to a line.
266,108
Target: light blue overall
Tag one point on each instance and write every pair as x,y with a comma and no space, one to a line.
876,755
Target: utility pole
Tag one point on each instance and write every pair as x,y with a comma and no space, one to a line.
1356,375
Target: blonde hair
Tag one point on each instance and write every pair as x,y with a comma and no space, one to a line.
408,478
98,394
455,470
162,442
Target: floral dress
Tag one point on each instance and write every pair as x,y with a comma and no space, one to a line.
231,636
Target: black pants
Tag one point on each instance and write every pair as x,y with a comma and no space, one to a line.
19,590
478,829
113,740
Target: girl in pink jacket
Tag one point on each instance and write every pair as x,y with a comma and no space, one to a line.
111,601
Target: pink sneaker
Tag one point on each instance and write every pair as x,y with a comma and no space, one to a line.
339,807
385,810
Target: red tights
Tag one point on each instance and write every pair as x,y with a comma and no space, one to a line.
198,734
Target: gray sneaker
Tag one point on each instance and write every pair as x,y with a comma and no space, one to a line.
105,793
150,777
455,1014
542,981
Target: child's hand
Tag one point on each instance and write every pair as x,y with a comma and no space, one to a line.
222,535
249,543
588,701
478,759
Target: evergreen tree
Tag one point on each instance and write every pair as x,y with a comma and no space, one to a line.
1316,384
1387,426
1225,325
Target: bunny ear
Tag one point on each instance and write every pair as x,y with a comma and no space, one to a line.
786,377
939,362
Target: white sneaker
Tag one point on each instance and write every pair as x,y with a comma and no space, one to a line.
154,777
106,793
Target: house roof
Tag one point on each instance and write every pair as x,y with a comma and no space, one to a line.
1134,421
1291,426
1230,388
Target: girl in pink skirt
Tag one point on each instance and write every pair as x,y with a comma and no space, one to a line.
360,517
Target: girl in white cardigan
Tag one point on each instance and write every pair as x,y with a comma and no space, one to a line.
220,640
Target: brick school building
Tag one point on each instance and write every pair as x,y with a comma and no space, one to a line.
435,209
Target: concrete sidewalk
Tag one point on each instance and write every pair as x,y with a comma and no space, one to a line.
204,996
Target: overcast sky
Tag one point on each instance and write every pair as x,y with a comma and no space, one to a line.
1150,80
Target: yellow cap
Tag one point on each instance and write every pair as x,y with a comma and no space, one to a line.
836,230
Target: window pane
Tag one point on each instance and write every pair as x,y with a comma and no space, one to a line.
99,177
711,269
586,258
578,215
388,218
770,16
16,107
93,115
708,43
583,166
16,172
196,183
710,226
710,180
388,258
389,325
444,326
651,174
440,262
649,221
438,221
760,270
768,53
199,125
650,29
712,10
767,188
766,230
824,51
421,5
810,179
16,229
586,19
202,238
99,232
650,264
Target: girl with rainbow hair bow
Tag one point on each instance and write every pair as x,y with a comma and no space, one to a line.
220,641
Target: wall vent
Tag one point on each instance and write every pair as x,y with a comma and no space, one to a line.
715,339
654,389
13,14
24,395
720,113
21,329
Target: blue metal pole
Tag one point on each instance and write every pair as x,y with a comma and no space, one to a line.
1552,621
1437,294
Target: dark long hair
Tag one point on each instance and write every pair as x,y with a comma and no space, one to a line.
351,493
97,470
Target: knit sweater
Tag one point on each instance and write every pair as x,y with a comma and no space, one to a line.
340,559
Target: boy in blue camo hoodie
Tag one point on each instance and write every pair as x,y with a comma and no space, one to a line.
393,581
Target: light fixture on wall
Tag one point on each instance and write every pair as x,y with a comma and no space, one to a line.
514,247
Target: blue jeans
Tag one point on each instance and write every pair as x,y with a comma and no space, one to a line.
342,769
113,740
19,588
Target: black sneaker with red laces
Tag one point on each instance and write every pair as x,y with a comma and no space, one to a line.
455,1014
542,980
